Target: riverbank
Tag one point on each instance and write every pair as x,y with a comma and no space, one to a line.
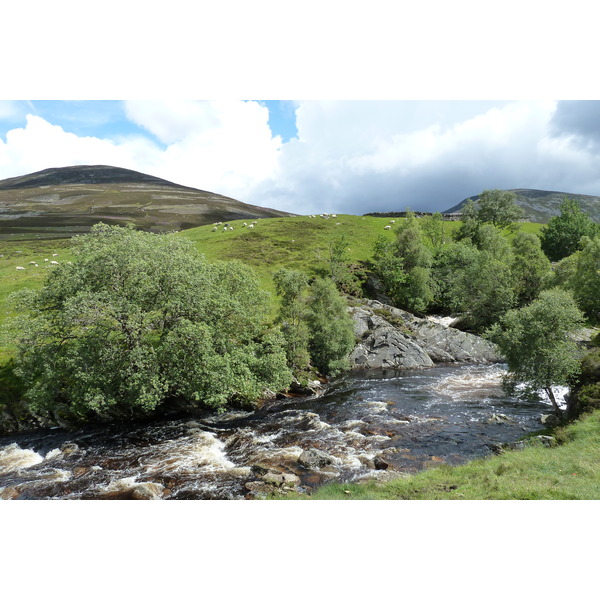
568,470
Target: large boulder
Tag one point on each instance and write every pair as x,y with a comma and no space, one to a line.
393,338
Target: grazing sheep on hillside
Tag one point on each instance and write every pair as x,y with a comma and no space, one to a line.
251,226
214,228
32,262
388,227
55,255
20,268
231,229
53,262
245,225
392,221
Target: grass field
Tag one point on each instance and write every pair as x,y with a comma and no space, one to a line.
293,242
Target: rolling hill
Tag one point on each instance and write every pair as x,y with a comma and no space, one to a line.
541,205
61,202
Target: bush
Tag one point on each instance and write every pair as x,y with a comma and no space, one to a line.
140,319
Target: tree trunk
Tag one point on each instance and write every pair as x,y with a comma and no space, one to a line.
559,412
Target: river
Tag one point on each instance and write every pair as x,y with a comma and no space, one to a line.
369,424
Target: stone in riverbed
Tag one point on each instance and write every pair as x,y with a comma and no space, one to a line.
314,459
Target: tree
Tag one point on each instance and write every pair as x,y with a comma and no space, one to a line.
585,281
330,328
562,235
291,287
405,266
531,268
140,319
536,344
494,207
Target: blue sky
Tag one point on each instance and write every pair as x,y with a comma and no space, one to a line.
310,156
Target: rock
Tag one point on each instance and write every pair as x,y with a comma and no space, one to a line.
69,448
550,420
147,491
314,459
406,341
546,440
280,478
500,418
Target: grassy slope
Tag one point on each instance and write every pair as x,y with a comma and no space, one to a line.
292,242
569,471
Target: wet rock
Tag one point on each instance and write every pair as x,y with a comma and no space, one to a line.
259,489
549,420
147,491
500,418
280,479
9,493
314,459
69,448
406,341
368,462
380,463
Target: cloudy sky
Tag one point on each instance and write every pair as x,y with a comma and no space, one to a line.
350,156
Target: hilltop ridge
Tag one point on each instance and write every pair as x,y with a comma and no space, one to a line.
64,201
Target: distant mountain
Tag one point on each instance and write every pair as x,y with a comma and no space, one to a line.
541,205
61,202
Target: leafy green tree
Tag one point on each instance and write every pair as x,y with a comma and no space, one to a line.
531,268
330,328
450,262
585,281
141,319
434,230
494,207
562,235
535,341
291,286
405,266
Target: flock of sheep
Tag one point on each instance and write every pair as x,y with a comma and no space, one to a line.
227,227
35,264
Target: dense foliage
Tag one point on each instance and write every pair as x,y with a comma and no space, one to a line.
562,235
535,342
139,319
317,328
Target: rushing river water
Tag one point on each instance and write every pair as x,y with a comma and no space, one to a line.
365,422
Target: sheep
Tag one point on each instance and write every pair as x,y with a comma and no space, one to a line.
245,225
35,265
55,255
45,260
32,262
231,229
20,268
334,216
53,262
388,227
392,221
251,226
214,228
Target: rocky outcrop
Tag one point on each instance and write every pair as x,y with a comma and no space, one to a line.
393,338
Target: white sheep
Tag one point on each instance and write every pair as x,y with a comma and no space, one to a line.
20,268
251,226
53,262
214,228
388,227
55,255
392,221
245,225
32,262
45,260
231,229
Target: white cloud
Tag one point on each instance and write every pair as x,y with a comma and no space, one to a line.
352,157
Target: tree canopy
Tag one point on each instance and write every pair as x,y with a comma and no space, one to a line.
536,343
561,237
139,319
